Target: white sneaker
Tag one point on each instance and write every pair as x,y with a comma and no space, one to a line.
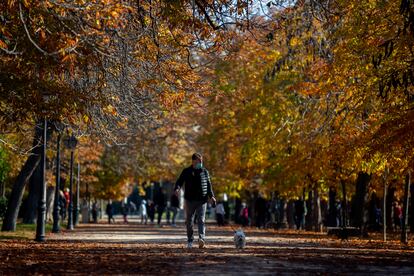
190,245
201,243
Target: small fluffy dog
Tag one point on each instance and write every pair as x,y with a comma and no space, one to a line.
239,239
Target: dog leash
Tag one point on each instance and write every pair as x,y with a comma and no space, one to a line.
234,229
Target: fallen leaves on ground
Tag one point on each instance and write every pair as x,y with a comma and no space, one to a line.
138,249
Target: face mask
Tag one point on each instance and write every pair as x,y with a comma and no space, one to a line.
199,165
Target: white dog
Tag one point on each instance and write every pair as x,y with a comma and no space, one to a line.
239,239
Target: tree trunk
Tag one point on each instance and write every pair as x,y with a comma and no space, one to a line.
237,210
331,220
412,210
290,214
309,215
284,213
2,189
101,208
30,214
251,204
50,192
317,217
31,202
360,212
384,211
389,200
404,238
15,200
344,216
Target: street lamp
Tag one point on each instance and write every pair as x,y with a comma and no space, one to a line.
41,211
56,209
70,143
77,208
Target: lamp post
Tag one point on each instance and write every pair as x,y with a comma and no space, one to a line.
56,208
41,211
77,208
88,200
71,144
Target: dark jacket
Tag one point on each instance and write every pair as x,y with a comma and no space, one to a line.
175,201
159,200
109,209
197,184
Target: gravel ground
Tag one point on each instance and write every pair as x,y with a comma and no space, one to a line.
102,249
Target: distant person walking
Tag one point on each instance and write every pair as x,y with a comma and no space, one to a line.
125,211
110,212
160,204
197,191
261,211
174,207
300,213
62,204
67,201
95,212
143,211
220,212
132,208
244,215
151,211
397,215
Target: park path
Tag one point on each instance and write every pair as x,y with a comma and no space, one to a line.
120,249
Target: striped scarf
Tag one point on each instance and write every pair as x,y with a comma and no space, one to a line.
205,179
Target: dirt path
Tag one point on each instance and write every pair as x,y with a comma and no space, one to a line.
143,249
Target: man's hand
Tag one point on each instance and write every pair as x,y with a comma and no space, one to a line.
213,201
177,192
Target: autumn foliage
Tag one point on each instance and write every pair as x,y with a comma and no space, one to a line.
279,96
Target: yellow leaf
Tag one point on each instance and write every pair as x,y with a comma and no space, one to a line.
3,45
114,14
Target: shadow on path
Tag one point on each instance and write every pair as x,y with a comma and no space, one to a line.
149,250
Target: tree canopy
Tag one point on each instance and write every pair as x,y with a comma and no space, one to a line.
279,95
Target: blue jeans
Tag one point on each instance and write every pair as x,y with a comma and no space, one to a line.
174,211
199,208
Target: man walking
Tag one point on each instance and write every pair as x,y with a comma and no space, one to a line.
160,204
198,190
174,207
